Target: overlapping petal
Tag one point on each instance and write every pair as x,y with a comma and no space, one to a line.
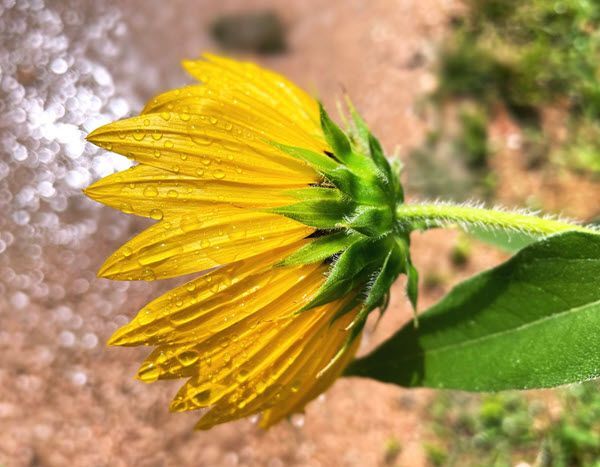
242,344
150,192
192,145
195,241
214,160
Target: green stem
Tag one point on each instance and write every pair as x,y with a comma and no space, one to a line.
443,214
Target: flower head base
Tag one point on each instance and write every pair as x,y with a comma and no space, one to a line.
249,178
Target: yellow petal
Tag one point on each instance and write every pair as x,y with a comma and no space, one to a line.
198,241
262,85
315,382
282,374
156,193
192,145
213,302
238,107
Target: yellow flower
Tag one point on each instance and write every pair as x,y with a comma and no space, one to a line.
250,180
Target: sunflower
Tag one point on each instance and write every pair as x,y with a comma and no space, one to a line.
288,222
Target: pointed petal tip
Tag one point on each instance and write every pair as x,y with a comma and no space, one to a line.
95,135
119,337
105,271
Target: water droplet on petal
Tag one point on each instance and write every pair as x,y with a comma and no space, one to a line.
218,174
150,191
139,135
148,373
188,357
242,375
156,214
189,222
148,275
202,397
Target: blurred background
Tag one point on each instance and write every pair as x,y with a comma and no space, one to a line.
489,99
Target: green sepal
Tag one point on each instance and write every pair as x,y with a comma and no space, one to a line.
351,270
371,220
316,193
392,266
391,177
318,213
379,158
337,139
348,307
321,248
362,130
412,286
412,283
320,162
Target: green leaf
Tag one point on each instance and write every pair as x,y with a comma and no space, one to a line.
321,248
511,241
532,322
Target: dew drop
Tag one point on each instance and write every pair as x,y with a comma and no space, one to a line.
148,275
148,373
218,174
200,137
166,116
200,172
156,136
242,375
150,192
139,135
126,251
156,214
144,317
202,397
168,144
172,194
189,222
188,357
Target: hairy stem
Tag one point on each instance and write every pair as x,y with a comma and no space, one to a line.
444,214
